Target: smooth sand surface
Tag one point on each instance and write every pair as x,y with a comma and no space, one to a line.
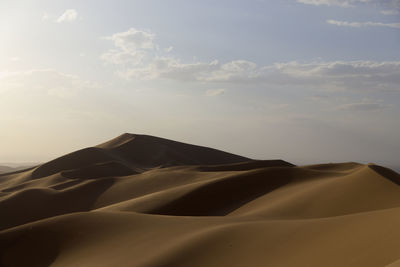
145,201
4,169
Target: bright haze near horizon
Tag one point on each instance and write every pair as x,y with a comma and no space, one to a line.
307,81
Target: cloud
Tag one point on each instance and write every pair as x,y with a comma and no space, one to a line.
133,40
360,75
237,70
393,4
363,106
131,47
45,16
169,49
363,24
336,75
171,68
215,92
390,12
390,7
69,15
341,3
136,56
47,81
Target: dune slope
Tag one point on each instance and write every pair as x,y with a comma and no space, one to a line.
140,200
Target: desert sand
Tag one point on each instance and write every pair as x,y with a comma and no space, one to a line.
139,200
4,169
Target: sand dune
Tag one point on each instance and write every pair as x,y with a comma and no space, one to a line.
4,169
146,201
13,168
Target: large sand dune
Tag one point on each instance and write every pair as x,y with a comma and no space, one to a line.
146,201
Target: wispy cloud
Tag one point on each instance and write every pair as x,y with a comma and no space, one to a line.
136,57
69,15
363,106
169,49
341,3
388,7
390,12
389,4
363,24
45,81
46,16
215,92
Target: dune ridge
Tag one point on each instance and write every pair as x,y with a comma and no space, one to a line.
140,200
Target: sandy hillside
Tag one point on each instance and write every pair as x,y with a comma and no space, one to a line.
4,169
145,201
7,169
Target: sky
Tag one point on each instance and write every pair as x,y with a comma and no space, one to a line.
307,81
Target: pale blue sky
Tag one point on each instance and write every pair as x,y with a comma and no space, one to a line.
307,80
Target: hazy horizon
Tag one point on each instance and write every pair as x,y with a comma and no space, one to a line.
306,81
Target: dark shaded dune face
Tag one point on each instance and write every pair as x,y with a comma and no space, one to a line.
79,159
387,173
346,166
221,197
244,166
99,170
34,204
40,248
149,151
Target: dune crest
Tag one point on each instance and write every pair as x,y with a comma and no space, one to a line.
140,200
